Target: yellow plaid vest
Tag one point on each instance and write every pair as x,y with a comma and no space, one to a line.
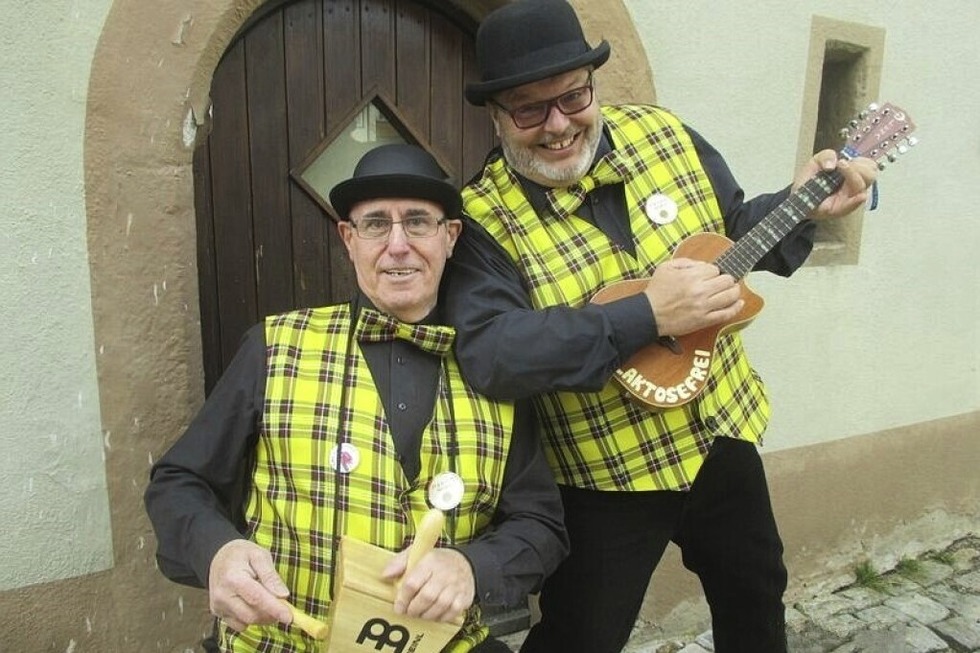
602,440
293,498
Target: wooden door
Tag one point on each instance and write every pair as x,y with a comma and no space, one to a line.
289,84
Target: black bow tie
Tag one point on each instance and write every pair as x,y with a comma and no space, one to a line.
373,326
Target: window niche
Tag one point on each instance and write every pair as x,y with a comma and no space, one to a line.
843,78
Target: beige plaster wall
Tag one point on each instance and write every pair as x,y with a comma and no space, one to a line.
54,507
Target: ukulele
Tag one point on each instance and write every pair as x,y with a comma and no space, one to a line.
673,370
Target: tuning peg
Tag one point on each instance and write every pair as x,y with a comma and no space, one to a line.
873,106
909,143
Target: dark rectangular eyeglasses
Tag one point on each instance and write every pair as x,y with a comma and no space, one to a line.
536,113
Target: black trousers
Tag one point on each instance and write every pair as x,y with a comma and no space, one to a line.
727,534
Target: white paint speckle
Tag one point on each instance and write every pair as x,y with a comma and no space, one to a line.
88,625
189,129
79,399
180,604
140,543
156,295
150,458
71,646
129,223
178,37
105,440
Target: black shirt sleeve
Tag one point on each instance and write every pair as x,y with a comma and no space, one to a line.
527,539
532,351
196,493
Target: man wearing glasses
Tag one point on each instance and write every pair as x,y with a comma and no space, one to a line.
579,196
353,420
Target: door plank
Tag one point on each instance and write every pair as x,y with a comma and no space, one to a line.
377,45
269,156
304,47
342,71
413,64
446,119
207,273
231,186
341,59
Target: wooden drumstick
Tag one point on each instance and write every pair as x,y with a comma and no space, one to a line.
428,532
309,625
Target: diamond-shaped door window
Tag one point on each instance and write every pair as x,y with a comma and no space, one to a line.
335,158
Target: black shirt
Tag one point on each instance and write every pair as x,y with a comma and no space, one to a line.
198,488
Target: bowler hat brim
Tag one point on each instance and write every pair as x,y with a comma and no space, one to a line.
478,93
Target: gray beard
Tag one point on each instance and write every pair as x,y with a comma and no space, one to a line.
524,162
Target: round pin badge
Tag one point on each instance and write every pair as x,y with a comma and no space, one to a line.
446,491
346,459
661,209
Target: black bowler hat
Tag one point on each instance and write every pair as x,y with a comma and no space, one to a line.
396,170
527,41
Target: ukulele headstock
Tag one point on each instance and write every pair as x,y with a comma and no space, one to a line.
880,133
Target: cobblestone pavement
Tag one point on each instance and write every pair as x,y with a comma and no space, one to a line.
926,605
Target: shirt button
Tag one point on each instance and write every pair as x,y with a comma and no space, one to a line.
402,406
400,360
711,423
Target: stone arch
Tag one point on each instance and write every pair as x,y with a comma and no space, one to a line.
148,96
